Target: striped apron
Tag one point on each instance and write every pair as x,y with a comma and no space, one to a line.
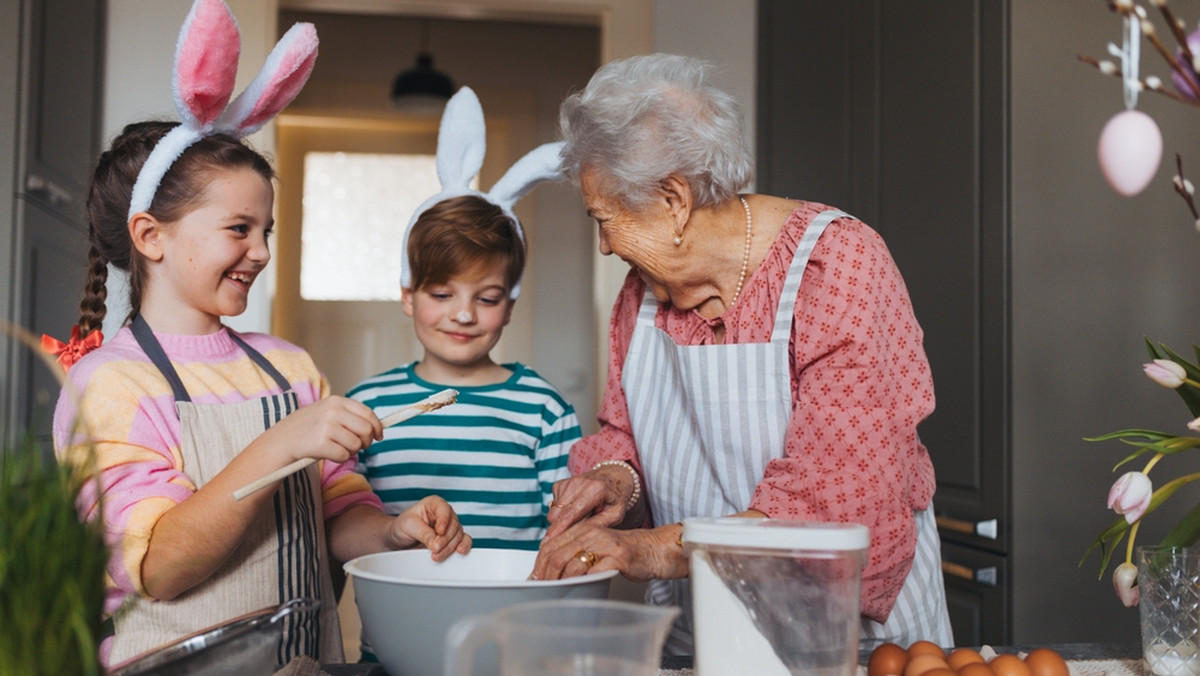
281,556
708,419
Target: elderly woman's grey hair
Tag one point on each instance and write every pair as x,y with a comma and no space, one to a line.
643,118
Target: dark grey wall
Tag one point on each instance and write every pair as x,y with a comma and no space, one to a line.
1092,273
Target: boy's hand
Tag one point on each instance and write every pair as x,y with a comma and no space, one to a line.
432,523
333,428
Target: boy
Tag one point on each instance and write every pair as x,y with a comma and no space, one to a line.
495,454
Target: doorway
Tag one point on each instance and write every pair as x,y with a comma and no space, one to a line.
373,172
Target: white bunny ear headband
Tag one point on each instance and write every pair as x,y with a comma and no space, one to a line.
460,151
206,58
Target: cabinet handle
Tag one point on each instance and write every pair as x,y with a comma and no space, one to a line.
53,192
987,528
985,576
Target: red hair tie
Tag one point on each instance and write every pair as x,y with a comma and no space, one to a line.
70,352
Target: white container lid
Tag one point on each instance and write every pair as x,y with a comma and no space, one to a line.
776,534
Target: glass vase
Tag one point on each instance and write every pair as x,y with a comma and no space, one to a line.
1169,603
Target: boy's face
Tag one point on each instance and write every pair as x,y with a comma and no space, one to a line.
460,321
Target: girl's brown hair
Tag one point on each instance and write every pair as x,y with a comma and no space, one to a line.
183,188
460,234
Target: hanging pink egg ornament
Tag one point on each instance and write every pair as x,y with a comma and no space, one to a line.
1130,149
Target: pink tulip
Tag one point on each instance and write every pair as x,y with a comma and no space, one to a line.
1125,584
1165,372
1130,495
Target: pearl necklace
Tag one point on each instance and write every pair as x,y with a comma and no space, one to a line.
745,253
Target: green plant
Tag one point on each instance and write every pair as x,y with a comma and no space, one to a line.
51,569
1133,495
52,563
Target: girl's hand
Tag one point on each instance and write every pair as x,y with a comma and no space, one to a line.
333,428
432,523
640,554
599,496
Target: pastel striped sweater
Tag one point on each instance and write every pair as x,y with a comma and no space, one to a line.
130,417
493,455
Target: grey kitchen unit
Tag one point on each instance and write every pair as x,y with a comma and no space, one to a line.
50,94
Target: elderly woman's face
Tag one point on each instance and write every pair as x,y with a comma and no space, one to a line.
644,239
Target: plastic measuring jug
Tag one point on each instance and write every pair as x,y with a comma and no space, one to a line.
573,637
772,597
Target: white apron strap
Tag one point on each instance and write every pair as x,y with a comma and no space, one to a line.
791,286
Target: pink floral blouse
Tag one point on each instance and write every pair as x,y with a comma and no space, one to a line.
860,384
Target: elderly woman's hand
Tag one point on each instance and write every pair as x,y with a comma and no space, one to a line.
640,554
601,496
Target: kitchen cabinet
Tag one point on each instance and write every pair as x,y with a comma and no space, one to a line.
965,132
52,86
902,103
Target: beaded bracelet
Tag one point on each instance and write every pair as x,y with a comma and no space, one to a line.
637,483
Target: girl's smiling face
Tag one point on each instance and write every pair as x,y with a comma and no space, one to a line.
460,321
211,256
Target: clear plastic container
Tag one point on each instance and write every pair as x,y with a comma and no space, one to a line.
775,597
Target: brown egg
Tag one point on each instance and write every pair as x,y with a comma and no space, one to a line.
975,669
925,648
1009,665
1046,662
961,657
919,664
888,659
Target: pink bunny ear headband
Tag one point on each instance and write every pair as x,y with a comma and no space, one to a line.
460,151
206,58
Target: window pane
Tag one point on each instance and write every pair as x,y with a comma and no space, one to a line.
356,207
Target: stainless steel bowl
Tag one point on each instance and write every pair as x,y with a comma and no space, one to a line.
245,645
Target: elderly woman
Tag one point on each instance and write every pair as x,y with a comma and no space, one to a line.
764,359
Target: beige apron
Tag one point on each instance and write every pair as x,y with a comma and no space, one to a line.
282,555
708,418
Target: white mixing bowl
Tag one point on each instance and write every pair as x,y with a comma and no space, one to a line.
407,601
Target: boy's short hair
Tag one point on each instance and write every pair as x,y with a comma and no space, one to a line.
460,234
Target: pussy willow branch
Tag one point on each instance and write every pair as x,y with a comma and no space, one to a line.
1186,70
1176,30
1131,11
1152,35
1153,84
1185,189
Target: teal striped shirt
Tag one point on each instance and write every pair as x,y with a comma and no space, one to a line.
493,455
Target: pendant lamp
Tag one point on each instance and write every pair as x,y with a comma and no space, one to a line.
422,89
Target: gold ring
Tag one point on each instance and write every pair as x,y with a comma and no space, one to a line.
551,505
587,558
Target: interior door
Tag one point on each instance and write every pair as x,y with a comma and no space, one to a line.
352,339
57,93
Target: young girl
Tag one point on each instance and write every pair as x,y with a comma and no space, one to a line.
178,411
